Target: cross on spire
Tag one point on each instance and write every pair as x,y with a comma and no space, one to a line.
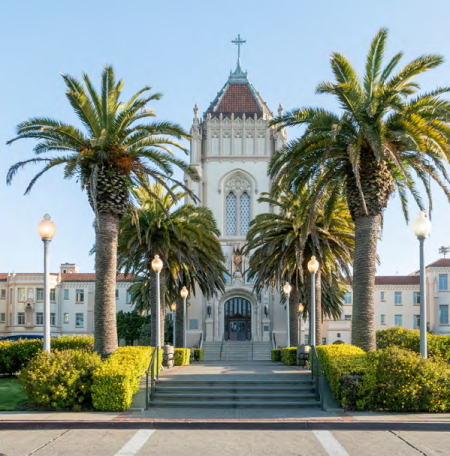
239,41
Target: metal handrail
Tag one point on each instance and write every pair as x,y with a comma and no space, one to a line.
150,371
200,342
316,373
274,340
221,346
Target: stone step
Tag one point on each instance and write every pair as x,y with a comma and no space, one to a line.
275,383
264,390
235,397
236,404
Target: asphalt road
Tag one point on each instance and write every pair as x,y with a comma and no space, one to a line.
102,442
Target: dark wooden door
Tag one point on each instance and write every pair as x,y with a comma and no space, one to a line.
238,319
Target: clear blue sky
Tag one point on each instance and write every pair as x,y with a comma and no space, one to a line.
183,49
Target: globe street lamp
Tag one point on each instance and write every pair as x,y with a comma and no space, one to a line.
300,313
287,291
157,266
173,308
422,228
313,267
46,230
184,294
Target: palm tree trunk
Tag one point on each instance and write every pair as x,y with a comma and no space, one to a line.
106,236
367,229
179,323
318,286
294,299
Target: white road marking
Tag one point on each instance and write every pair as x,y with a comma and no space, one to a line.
330,444
135,443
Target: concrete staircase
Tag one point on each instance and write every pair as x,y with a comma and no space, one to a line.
237,351
275,393
261,351
212,351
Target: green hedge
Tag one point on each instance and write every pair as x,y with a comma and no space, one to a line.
14,355
289,356
199,353
60,379
275,354
339,360
182,356
401,380
438,346
118,378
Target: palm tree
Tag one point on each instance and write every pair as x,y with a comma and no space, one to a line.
282,242
385,138
185,238
112,153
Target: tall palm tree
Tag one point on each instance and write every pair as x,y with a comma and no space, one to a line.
385,138
185,237
112,152
282,242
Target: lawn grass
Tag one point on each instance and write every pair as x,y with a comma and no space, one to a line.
12,397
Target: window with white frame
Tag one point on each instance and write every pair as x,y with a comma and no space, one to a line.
443,282
79,296
383,319
128,297
2,317
347,298
39,318
416,297
66,317
306,339
443,314
237,206
39,294
382,296
52,295
117,293
416,321
21,318
398,297
79,320
3,294
398,320
347,317
52,319
324,340
66,294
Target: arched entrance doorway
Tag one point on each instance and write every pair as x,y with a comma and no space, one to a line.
238,319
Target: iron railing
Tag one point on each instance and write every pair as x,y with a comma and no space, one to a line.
316,373
274,340
221,346
153,374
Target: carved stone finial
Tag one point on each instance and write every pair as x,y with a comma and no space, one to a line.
196,110
280,110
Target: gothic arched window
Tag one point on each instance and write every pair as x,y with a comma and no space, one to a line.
231,214
245,213
237,205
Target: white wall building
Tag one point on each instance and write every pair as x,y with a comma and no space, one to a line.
71,302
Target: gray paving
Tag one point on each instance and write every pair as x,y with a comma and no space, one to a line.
102,442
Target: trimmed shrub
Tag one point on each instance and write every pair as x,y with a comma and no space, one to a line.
182,356
199,353
118,378
289,356
438,346
401,380
275,354
60,379
14,355
342,360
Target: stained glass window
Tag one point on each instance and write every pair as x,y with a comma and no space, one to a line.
245,213
231,214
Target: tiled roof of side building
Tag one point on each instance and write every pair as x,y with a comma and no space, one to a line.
397,280
440,262
90,277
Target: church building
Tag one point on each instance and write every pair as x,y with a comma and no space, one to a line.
231,146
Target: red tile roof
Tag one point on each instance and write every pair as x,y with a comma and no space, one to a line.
397,280
90,277
440,262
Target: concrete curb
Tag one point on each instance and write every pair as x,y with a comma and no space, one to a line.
330,425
